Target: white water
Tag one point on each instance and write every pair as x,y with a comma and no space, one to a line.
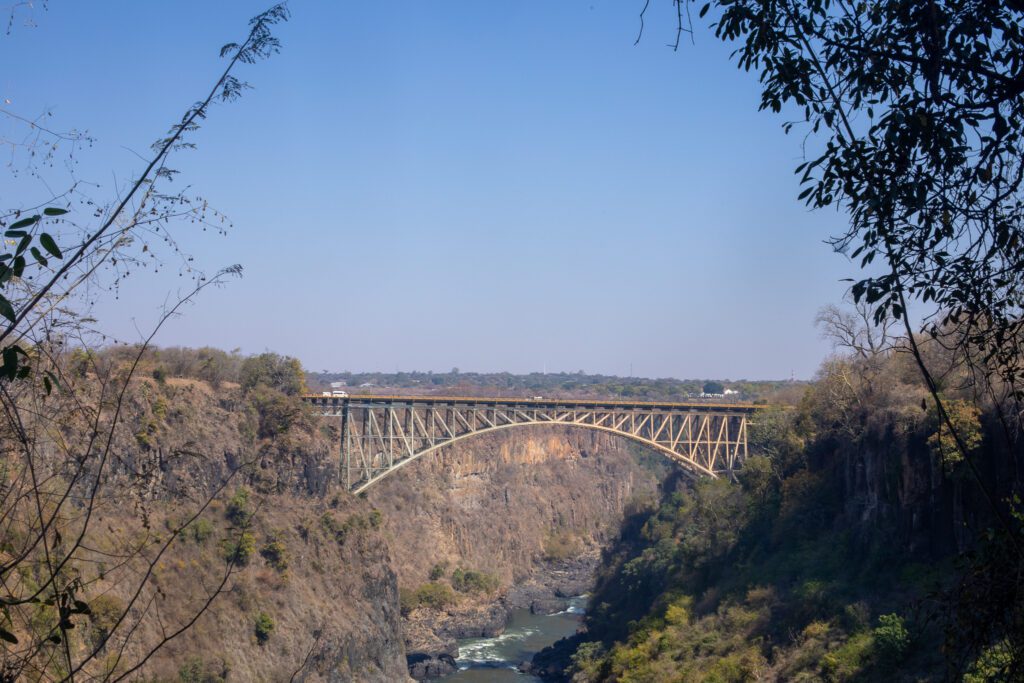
495,659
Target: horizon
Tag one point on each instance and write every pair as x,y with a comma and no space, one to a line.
410,187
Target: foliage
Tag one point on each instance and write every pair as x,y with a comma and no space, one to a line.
727,582
891,637
201,530
195,670
994,664
561,384
281,373
713,387
263,627
561,545
237,510
922,108
276,554
472,581
239,551
966,420
438,571
68,410
434,595
354,522
276,412
104,613
849,659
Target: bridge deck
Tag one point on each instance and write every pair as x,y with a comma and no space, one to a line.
564,403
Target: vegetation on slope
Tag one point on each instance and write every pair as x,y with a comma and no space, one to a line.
840,555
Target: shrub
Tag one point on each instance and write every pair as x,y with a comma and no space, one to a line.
994,664
848,660
678,613
160,375
891,638
237,510
195,670
438,570
104,611
435,595
408,601
276,372
472,581
341,530
201,530
561,546
276,412
264,627
240,550
276,555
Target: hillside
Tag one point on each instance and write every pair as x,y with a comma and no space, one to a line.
855,547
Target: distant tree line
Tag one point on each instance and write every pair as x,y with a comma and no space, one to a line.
560,384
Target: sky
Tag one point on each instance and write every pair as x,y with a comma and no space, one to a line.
420,186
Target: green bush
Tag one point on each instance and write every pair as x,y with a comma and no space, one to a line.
472,581
994,664
104,611
239,551
264,627
195,670
276,555
282,373
435,595
201,530
438,571
276,412
341,530
847,661
408,601
891,638
237,510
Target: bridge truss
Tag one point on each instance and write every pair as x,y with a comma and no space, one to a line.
380,434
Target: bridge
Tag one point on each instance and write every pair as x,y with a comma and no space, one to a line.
381,434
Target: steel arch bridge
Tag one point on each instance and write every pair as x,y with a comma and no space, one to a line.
381,434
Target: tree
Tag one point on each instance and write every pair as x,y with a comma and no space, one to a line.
713,387
62,407
282,373
914,114
856,331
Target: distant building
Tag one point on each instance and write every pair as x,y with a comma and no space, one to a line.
339,384
730,392
367,384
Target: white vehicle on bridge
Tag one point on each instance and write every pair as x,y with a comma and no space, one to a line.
336,392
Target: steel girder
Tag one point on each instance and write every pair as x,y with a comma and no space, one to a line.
379,435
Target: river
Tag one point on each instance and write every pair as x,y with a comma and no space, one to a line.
483,660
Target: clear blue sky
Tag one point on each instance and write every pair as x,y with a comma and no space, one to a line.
493,186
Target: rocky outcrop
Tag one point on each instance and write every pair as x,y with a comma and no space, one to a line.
495,502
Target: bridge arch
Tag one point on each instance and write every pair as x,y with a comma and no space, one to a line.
671,455
382,434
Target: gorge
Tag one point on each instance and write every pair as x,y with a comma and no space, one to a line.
817,562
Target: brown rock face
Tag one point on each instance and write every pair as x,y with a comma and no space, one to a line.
503,504
494,502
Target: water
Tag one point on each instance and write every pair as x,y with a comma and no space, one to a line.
483,660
